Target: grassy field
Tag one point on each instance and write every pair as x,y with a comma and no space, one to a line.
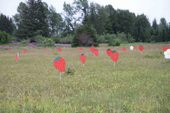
139,83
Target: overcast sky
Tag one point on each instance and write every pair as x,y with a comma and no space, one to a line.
151,8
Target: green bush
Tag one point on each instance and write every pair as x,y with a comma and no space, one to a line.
44,41
4,37
130,38
114,42
24,42
101,39
66,40
122,37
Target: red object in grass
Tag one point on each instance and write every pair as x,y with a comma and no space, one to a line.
141,48
24,51
59,50
17,57
82,58
115,56
81,49
109,52
124,49
94,51
164,48
60,64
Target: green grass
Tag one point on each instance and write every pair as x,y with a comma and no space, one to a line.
139,83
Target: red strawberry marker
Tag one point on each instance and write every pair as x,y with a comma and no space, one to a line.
141,48
165,48
59,50
60,64
81,49
24,51
96,52
124,49
108,52
83,58
114,56
17,57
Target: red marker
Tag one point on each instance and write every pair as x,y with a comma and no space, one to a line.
82,58
59,50
17,57
94,51
108,52
24,51
124,49
141,48
164,48
81,49
115,56
60,64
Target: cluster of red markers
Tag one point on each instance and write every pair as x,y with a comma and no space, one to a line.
60,63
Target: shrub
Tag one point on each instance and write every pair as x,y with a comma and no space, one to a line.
114,42
4,37
101,39
24,42
44,41
66,40
130,38
85,36
122,37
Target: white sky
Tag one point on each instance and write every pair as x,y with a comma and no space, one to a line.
151,8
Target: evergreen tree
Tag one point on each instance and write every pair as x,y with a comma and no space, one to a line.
6,24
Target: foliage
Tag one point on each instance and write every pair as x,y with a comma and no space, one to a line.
55,22
114,42
44,41
66,40
35,17
4,37
6,24
85,36
120,36
142,29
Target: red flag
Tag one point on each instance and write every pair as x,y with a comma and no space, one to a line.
108,52
124,49
59,50
94,51
81,49
141,48
164,48
24,51
60,64
115,56
17,57
82,58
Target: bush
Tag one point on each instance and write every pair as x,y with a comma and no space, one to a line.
101,39
114,42
85,36
122,37
24,42
66,40
44,41
4,37
130,38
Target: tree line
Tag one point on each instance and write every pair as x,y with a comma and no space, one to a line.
35,17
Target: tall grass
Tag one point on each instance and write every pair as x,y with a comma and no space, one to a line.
139,83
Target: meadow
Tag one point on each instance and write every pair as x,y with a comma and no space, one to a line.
138,83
